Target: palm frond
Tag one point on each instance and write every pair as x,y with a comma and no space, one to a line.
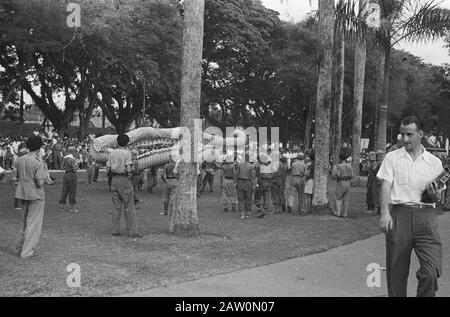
351,18
428,22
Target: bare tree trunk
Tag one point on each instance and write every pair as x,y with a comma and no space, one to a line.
338,97
358,98
307,138
184,220
382,119
379,91
322,126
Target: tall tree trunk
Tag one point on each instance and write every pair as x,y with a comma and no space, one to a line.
358,98
379,55
322,126
382,119
309,118
338,97
184,220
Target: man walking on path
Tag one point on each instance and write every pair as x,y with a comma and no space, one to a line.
120,166
406,174
30,190
70,166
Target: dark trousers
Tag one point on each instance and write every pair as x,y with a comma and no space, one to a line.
8,164
69,188
244,193
57,160
123,201
208,179
413,229
96,171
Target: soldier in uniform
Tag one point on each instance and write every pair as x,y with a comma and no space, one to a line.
170,186
370,180
228,185
344,174
120,165
245,178
70,167
277,187
264,177
30,190
298,180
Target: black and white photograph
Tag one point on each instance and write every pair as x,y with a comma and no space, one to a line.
224,155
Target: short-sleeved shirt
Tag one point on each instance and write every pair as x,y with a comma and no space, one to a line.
69,163
30,169
409,178
228,170
298,168
245,170
265,170
118,160
343,171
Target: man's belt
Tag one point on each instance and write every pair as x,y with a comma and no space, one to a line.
244,179
344,178
70,171
299,175
416,206
266,178
170,177
117,174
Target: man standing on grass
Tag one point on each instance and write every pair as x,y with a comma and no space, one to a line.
170,186
298,180
30,190
120,166
245,177
228,185
406,174
70,167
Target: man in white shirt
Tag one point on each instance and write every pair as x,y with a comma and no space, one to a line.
406,174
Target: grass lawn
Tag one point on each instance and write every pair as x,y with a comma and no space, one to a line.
118,265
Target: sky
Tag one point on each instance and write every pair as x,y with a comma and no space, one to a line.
296,10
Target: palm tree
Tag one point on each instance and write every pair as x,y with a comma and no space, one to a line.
358,95
411,20
184,220
323,105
